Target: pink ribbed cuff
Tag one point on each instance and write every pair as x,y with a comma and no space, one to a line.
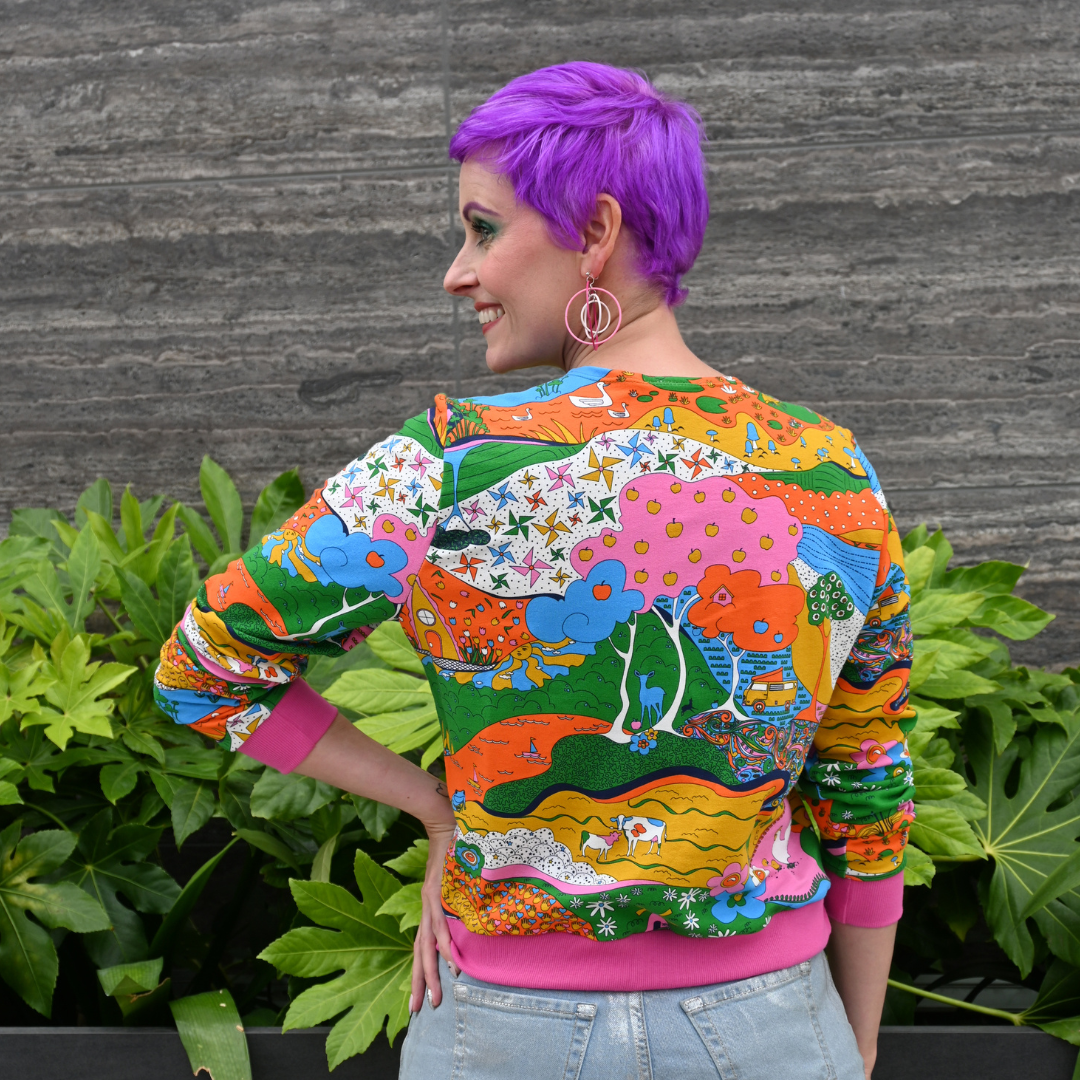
870,904
656,960
299,720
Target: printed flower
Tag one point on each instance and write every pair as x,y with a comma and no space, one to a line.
643,741
670,894
730,881
607,926
872,754
745,903
600,907
470,858
691,921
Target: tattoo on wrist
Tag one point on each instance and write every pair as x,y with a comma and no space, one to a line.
441,789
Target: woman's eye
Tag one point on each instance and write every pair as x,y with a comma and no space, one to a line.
483,230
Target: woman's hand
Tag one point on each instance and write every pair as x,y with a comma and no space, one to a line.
433,929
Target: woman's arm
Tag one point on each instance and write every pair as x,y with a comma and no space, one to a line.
860,957
352,761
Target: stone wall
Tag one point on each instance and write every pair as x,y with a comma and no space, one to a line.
224,225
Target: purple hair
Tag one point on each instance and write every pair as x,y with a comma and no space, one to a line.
565,134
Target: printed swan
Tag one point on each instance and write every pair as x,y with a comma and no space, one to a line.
620,413
527,416
592,402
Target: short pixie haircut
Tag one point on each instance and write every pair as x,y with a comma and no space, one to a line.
565,134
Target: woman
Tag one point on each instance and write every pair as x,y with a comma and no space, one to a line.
642,594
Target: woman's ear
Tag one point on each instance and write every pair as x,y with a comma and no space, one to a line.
601,232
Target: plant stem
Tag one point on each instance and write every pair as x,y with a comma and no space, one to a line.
111,617
1013,1018
48,814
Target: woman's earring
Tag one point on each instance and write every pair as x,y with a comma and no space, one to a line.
595,315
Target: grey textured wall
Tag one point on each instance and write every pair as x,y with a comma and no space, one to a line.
224,224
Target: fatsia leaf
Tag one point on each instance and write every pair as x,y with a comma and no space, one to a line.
201,537
919,868
389,643
108,862
940,609
286,797
376,817
222,503
413,863
1011,617
407,905
1026,840
213,1035
98,498
83,565
28,961
372,952
191,807
941,830
177,580
1062,880
270,845
933,784
279,500
19,689
375,690
76,693
401,731
149,616
956,685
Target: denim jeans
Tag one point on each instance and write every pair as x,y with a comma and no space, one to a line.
786,1025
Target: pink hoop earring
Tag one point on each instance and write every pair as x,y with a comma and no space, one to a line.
595,314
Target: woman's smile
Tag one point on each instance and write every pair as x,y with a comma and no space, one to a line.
488,316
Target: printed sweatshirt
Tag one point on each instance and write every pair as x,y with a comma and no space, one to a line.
665,624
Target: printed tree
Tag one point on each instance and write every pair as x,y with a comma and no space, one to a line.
669,532
827,601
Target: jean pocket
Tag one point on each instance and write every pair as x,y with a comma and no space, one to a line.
763,1028
501,1033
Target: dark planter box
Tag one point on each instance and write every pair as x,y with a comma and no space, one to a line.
905,1053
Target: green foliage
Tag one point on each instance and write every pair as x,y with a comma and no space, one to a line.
212,1034
364,943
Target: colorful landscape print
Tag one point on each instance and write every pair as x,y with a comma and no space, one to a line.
665,623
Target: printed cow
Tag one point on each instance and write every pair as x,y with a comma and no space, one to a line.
644,830
602,844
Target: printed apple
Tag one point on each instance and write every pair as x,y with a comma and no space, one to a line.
695,555
585,554
388,526
641,546
766,542
641,576
652,506
711,529
776,575
738,555
728,496
609,540
632,494
699,496
670,577
410,534
749,516
601,592
793,530
674,529
676,488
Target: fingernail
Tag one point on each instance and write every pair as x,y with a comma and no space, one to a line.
412,1004
430,999
455,970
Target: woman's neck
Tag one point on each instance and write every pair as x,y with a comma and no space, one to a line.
648,344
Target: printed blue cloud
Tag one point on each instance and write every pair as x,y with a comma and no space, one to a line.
581,614
354,560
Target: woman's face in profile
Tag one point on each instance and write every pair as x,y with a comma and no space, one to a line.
516,276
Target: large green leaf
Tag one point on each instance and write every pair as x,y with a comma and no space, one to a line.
1011,617
213,1035
942,830
28,961
222,503
108,862
389,643
1026,839
201,537
148,615
413,863
191,802
375,690
278,501
401,731
76,694
177,580
98,497
940,609
83,565
373,953
286,797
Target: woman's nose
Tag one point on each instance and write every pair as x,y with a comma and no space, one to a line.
460,277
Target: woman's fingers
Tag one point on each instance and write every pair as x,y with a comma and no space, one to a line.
416,992
429,960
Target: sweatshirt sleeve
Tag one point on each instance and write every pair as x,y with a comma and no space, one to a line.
858,777
318,585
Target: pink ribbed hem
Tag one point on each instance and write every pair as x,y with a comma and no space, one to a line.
299,720
871,904
656,960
